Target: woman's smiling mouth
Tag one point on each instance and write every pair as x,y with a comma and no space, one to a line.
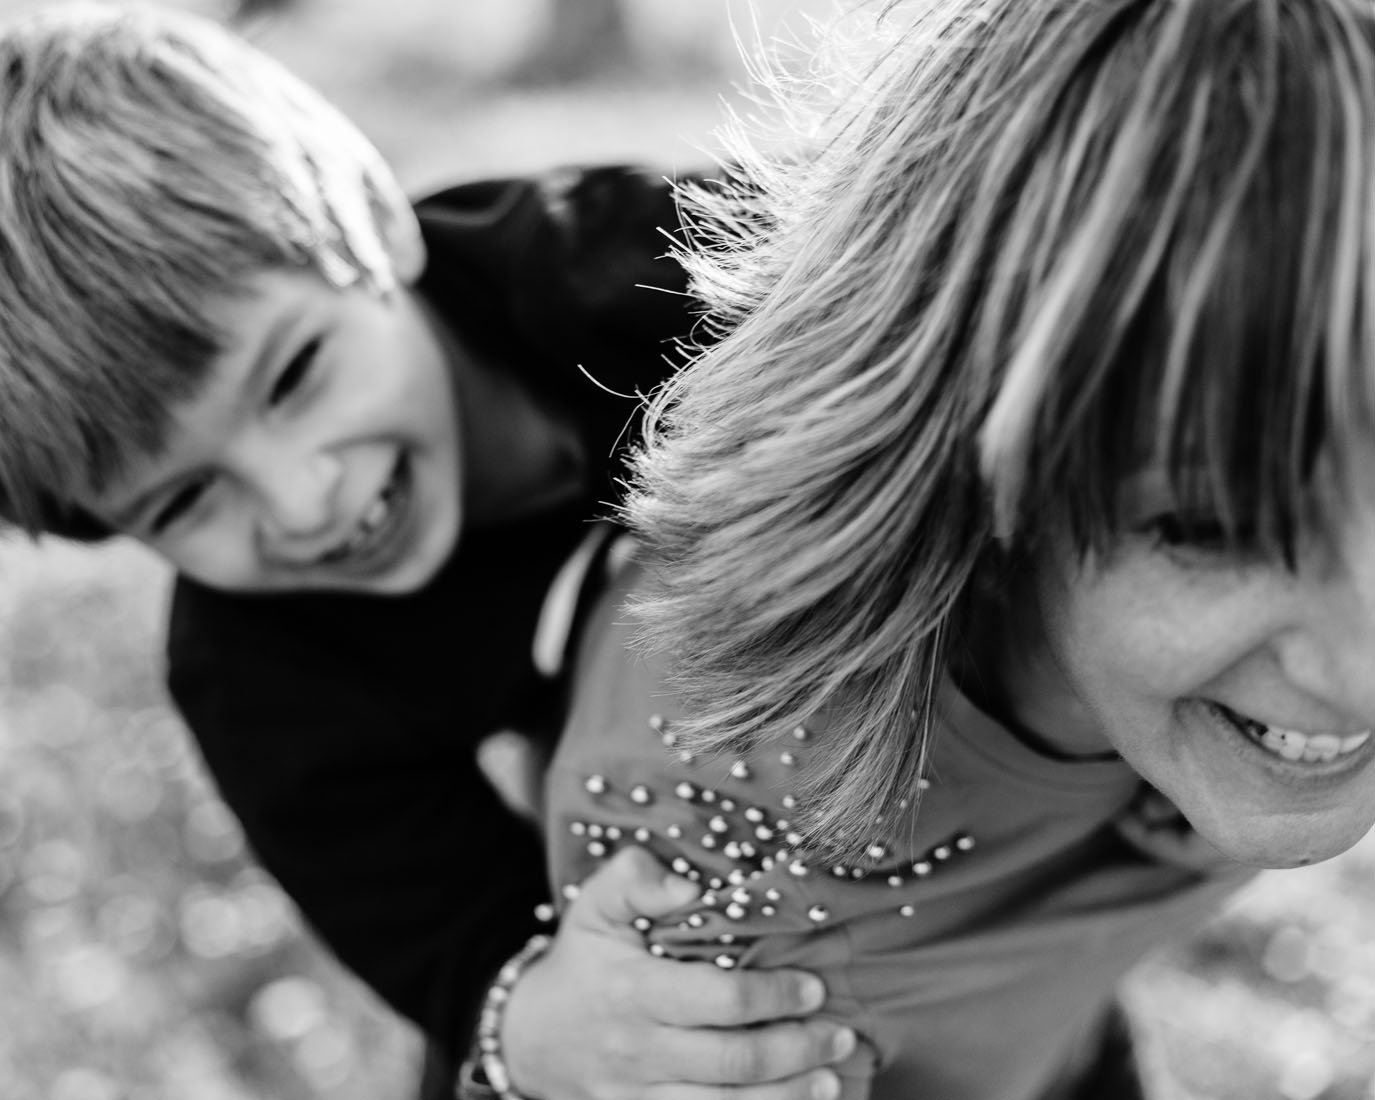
1294,746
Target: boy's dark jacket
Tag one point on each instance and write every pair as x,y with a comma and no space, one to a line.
341,729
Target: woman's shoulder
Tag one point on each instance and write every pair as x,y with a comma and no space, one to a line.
996,896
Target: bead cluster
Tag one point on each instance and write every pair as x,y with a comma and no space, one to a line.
754,839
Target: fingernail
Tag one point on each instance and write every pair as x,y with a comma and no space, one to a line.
825,1085
842,1044
812,992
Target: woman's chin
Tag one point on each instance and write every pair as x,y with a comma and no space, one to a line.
1280,841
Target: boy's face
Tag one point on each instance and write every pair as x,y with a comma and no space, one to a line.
322,453
1241,690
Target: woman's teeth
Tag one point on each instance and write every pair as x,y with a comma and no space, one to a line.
1293,745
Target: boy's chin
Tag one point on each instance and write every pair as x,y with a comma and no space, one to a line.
428,539
417,565
422,565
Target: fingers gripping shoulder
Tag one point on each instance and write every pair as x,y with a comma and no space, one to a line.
621,779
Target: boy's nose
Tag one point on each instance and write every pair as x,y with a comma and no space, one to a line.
298,501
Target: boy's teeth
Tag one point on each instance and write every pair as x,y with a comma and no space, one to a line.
370,522
375,514
1308,747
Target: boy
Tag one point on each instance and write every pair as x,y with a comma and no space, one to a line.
228,336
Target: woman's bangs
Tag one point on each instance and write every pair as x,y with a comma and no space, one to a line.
1249,362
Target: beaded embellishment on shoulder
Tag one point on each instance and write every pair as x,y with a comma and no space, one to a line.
729,826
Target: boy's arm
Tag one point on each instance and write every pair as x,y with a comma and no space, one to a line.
566,278
405,863
381,830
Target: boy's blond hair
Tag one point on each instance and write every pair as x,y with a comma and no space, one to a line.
150,163
1037,243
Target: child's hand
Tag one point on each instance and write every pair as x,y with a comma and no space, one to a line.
599,1018
1158,830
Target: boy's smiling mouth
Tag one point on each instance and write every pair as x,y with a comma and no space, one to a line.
1294,746
371,542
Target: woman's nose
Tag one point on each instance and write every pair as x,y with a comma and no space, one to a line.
1332,654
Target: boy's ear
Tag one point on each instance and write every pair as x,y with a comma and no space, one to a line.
405,247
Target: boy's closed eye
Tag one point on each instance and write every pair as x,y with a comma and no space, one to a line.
178,505
182,501
294,374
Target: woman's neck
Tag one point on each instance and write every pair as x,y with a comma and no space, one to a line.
1006,669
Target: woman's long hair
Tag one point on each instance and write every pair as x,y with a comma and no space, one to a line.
1031,246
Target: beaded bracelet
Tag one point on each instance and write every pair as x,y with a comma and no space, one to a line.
494,1011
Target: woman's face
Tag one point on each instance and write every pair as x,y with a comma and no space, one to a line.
1241,689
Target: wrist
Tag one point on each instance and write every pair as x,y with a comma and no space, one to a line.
486,1073
523,1032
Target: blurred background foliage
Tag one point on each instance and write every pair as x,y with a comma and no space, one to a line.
142,954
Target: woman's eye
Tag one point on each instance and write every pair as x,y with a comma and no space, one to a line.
1174,529
178,505
294,373
1204,532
